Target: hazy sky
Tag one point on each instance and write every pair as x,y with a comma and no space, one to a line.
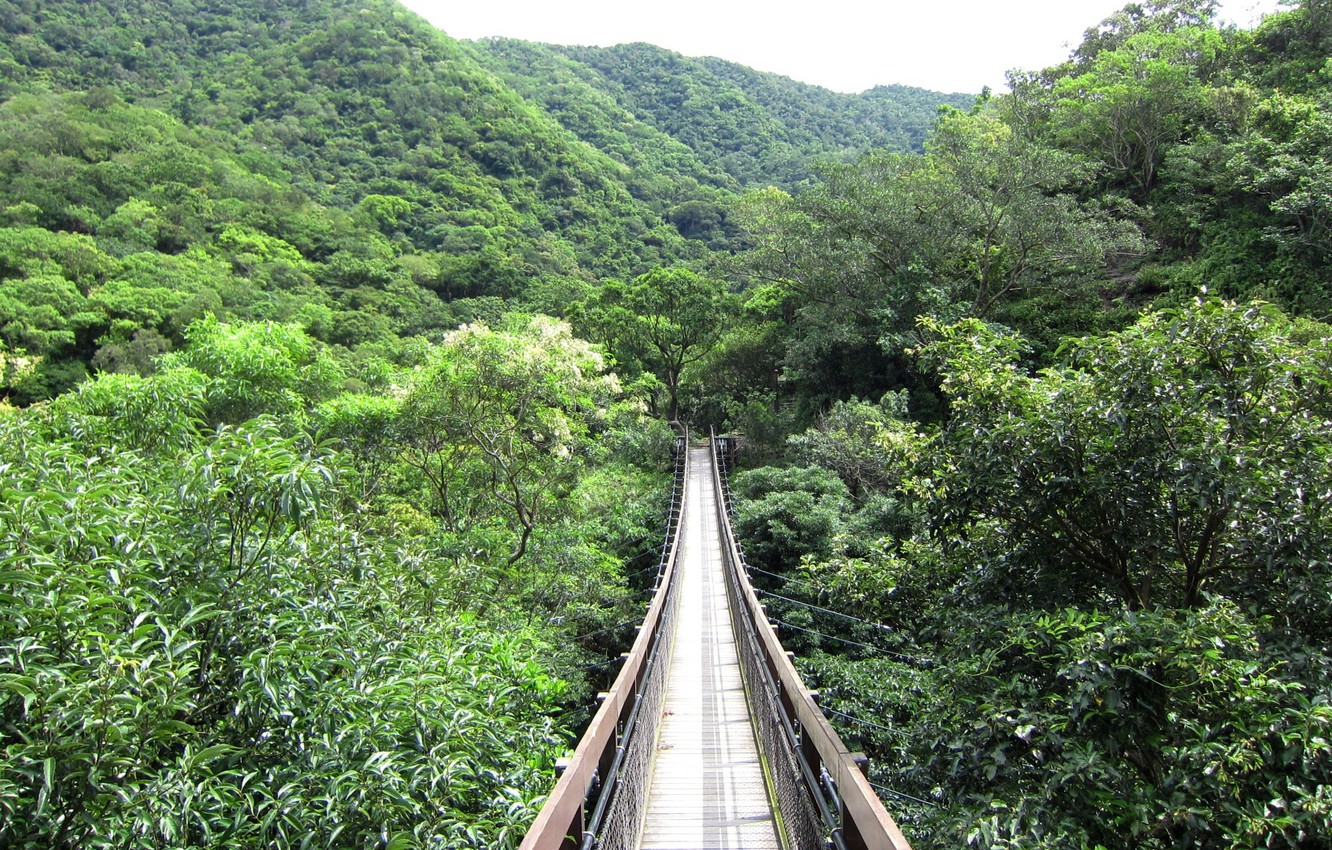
846,45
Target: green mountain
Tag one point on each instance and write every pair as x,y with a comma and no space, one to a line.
355,99
760,128
349,166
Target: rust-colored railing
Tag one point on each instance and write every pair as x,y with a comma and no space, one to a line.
819,785
598,801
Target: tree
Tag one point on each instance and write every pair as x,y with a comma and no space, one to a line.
666,320
1084,728
1116,633
44,305
986,218
1135,18
856,440
197,647
1001,208
1134,101
1286,163
256,368
1182,456
504,414
785,514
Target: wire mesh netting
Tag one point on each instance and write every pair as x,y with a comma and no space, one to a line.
801,819
804,830
623,819
624,816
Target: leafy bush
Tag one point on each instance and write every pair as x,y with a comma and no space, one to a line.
1109,621
1151,729
784,514
198,647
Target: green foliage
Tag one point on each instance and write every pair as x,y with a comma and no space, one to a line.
257,175
863,443
1135,100
498,420
1178,456
760,129
1288,163
785,514
44,308
982,221
1102,620
241,607
662,323
257,368
134,413
742,372
236,665
1211,128
364,427
1153,729
216,630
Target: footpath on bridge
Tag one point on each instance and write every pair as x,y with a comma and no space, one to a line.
707,788
670,760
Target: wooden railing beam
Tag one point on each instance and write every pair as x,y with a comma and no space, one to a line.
867,824
562,820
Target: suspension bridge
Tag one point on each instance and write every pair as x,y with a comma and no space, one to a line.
708,737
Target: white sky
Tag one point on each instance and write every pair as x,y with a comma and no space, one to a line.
845,45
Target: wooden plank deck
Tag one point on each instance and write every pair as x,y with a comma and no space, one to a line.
707,789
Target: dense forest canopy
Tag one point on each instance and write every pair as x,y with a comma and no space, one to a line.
337,355
759,128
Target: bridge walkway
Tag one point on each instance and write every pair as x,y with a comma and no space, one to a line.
669,761
707,788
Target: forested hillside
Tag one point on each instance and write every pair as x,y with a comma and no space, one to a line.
246,607
393,179
1045,535
762,129
336,357
353,99
346,153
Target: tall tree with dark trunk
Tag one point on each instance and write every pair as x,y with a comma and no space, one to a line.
665,321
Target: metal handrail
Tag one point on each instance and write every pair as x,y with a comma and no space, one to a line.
572,815
834,806
831,775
